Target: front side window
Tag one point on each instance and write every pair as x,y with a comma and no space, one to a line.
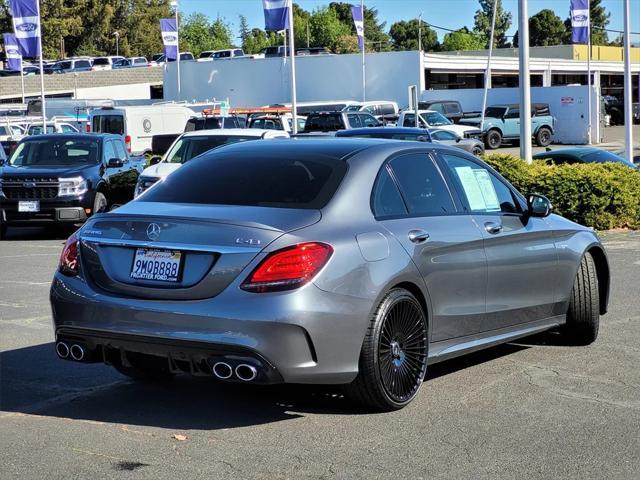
369,121
443,135
354,120
386,198
513,113
436,119
109,151
424,190
483,191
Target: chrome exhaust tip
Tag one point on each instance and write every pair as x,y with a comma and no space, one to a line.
77,352
62,350
222,370
246,373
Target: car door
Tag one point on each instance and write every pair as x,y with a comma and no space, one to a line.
115,175
520,250
414,203
512,123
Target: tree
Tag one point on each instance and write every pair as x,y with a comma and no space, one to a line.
374,31
482,25
599,22
404,35
325,28
461,40
545,29
347,44
259,39
195,34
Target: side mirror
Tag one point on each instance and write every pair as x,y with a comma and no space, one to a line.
458,140
539,206
115,163
2,162
155,160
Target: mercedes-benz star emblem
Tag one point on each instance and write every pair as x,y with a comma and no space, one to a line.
153,231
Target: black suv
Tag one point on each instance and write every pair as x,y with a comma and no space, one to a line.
333,121
64,179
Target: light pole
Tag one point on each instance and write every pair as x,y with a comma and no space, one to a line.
117,35
628,87
525,82
174,4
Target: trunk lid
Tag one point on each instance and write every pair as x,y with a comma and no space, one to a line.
215,243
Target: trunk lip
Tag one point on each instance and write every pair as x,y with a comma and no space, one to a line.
184,247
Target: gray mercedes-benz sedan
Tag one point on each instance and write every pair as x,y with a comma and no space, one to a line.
336,261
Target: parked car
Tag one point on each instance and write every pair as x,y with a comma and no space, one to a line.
212,122
52,127
221,54
582,155
138,124
192,144
333,121
452,109
105,63
133,62
70,65
305,108
431,119
442,137
368,259
382,110
65,179
9,131
279,51
502,122
276,122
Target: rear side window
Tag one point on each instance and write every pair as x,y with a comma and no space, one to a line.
82,64
451,108
423,188
354,120
108,124
101,61
323,123
253,179
386,198
387,109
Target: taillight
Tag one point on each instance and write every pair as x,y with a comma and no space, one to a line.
69,258
288,268
127,142
88,127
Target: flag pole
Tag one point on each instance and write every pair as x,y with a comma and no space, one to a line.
22,78
42,99
178,49
487,74
292,49
364,58
589,136
628,86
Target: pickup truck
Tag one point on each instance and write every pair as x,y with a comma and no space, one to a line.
502,122
63,179
433,119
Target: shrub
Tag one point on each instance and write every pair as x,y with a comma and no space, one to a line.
599,195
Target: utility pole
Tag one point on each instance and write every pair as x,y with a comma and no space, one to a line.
420,32
628,86
487,74
525,82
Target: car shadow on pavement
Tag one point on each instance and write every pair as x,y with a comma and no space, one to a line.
34,381
41,233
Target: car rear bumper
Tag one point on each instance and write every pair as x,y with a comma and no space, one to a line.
303,336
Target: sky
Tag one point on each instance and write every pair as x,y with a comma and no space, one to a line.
452,14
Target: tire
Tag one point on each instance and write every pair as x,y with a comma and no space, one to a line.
493,140
100,204
583,315
393,359
544,137
477,151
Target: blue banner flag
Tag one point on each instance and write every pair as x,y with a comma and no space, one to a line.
169,31
358,20
26,25
276,14
14,59
580,21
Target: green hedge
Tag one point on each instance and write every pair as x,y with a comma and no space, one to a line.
602,196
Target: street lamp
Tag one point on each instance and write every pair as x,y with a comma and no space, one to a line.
174,4
117,35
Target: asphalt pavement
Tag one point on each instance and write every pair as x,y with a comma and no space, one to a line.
535,409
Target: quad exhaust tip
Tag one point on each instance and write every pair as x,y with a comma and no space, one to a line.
222,370
246,373
62,350
77,352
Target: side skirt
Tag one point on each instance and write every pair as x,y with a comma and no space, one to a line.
455,347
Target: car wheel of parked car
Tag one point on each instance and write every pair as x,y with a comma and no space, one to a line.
100,204
543,137
393,360
494,139
477,151
583,316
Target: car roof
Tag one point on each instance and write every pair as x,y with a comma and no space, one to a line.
575,152
375,130
75,136
244,132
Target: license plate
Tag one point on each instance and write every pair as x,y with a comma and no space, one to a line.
157,265
29,206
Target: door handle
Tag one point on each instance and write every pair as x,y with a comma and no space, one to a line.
418,236
493,228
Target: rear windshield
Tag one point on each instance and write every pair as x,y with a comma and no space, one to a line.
323,123
108,124
252,179
55,153
603,156
101,61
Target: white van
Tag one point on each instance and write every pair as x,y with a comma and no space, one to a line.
381,109
138,124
